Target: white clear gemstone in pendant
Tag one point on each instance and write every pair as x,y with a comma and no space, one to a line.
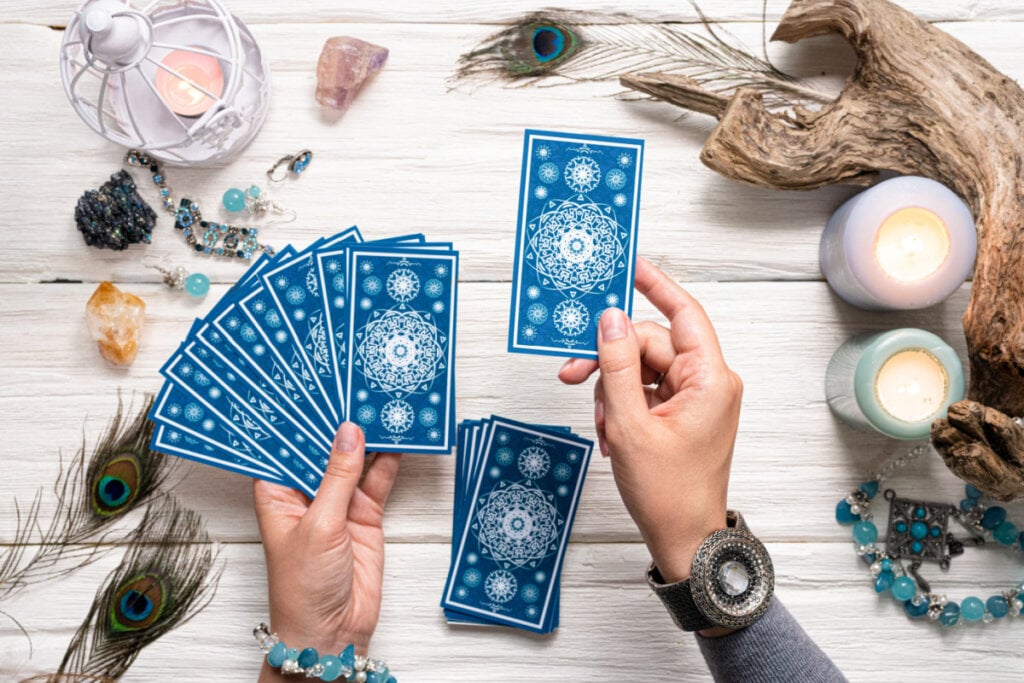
733,578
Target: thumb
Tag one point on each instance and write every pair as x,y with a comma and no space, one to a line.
618,352
344,469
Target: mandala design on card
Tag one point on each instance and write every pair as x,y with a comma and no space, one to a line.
366,414
548,173
433,288
582,174
316,345
534,462
472,577
501,586
562,472
537,314
576,247
530,593
505,456
571,318
616,179
403,285
517,525
400,351
397,416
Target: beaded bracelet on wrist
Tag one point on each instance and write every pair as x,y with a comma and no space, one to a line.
346,666
205,237
918,532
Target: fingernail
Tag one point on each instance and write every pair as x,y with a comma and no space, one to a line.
347,437
599,413
566,365
613,324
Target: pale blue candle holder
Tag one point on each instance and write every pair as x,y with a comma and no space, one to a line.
851,380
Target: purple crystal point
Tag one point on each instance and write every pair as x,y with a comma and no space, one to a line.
345,64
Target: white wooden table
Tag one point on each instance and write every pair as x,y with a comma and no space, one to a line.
410,155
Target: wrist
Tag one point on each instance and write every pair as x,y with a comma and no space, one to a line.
674,548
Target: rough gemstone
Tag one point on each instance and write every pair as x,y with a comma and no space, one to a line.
883,581
345,64
348,657
308,657
115,323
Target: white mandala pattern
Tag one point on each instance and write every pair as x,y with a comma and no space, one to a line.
537,313
529,332
543,152
582,174
272,318
532,292
501,586
505,456
193,413
397,416
562,472
248,333
428,417
472,577
362,394
434,398
433,288
372,285
517,525
620,200
616,179
571,318
548,173
530,593
576,246
400,350
612,299
295,295
534,462
540,192
366,414
403,285
624,159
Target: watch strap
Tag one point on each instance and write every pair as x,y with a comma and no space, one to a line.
678,598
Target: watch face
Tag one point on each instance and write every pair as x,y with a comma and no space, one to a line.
732,578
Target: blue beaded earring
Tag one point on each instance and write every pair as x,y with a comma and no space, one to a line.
296,165
196,285
256,202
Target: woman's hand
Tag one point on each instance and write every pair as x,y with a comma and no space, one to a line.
325,558
666,408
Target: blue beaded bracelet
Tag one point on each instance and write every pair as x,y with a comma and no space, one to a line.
347,666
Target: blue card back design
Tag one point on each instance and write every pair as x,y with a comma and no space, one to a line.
579,204
400,386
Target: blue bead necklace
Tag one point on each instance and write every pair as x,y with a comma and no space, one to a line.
205,237
918,532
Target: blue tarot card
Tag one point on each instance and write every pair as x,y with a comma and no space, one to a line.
400,384
579,203
193,424
517,526
297,293
172,441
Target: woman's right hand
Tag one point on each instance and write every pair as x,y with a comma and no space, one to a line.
666,408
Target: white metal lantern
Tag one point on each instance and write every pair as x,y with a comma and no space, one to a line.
181,79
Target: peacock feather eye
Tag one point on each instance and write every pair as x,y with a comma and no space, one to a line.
538,47
117,485
137,604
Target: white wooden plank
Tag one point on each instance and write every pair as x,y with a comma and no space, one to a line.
411,155
610,623
55,13
792,457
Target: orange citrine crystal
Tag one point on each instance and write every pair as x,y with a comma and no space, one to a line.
115,322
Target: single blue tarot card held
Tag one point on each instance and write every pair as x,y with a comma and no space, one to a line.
169,439
579,205
517,525
401,381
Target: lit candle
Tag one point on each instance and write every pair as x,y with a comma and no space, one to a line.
906,243
190,69
896,382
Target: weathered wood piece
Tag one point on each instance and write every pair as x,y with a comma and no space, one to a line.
920,102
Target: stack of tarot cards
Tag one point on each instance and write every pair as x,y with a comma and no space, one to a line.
517,487
344,329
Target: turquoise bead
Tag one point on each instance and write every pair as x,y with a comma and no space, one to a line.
865,533
950,614
916,547
973,609
376,677
869,489
972,492
904,588
392,679
1005,533
993,517
276,656
883,582
348,657
886,564
844,515
197,285
919,530
935,532
332,668
915,611
293,653
308,657
920,513
997,606
901,527
254,191
967,504
234,200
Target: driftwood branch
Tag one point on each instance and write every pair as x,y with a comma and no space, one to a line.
919,103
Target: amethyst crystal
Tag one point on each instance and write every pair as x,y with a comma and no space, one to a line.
345,64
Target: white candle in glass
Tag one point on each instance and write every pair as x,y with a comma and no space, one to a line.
906,243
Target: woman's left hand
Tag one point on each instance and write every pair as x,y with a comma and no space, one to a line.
325,557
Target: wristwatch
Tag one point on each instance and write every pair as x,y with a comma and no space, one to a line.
731,581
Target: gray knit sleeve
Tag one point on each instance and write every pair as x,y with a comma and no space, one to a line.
773,650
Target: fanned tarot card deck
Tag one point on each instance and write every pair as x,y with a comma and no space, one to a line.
517,487
579,206
344,329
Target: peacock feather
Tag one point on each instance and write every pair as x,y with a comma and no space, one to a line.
557,46
120,474
166,577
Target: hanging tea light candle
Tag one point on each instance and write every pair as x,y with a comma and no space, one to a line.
906,243
895,382
183,81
